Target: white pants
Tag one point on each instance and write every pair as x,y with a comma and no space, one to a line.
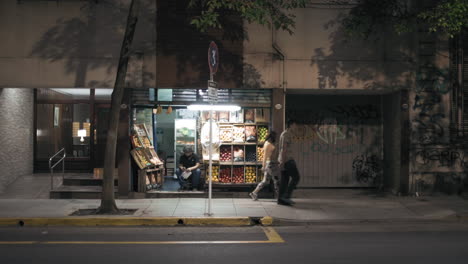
271,172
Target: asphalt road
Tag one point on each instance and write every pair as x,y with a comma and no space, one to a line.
353,243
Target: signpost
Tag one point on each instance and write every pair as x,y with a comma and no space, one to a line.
213,63
212,92
213,59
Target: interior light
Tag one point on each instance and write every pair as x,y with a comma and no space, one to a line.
214,107
82,133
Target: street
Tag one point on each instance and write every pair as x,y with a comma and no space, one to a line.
317,243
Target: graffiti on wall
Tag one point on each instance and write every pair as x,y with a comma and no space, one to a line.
344,114
357,112
329,131
367,168
441,158
330,138
333,149
428,122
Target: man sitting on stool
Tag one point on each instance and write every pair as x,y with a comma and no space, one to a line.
188,163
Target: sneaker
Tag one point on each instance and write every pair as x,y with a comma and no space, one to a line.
253,196
284,202
148,187
289,201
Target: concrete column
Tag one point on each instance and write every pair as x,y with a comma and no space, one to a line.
16,134
278,114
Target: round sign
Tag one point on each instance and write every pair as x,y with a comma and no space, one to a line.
213,57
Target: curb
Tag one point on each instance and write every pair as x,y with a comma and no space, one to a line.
210,221
448,219
134,221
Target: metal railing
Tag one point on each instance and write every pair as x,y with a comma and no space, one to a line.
51,167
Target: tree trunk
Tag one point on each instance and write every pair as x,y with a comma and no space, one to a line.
108,199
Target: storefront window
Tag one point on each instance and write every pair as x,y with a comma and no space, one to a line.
63,126
165,95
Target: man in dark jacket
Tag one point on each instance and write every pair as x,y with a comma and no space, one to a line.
188,164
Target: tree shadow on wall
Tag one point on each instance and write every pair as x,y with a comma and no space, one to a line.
182,41
92,41
252,77
372,62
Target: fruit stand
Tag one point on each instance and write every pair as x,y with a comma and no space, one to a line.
149,164
240,151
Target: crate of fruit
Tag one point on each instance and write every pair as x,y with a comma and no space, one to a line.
225,174
259,153
214,173
262,133
250,154
225,153
238,153
250,174
238,174
225,133
250,133
238,133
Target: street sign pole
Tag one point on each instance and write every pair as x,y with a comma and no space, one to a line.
213,61
210,155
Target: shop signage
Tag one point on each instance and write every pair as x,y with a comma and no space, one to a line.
212,91
213,57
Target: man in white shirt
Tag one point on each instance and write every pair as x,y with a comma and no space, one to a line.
287,164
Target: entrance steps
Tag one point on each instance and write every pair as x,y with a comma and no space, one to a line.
87,186
79,186
78,192
84,180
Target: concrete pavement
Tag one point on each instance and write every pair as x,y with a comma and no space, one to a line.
321,206
27,198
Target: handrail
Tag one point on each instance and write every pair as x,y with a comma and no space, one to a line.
51,167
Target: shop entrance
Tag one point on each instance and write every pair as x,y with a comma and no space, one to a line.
170,129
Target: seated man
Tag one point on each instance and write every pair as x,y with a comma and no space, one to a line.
188,163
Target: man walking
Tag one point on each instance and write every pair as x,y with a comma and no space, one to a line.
287,164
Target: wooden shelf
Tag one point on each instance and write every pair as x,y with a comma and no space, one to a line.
239,143
219,184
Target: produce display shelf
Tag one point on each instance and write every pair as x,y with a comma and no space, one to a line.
238,143
218,184
240,124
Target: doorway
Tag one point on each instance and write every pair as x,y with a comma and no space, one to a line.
171,128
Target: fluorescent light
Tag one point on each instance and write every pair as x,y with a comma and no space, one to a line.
214,107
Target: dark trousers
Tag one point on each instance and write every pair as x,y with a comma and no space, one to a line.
194,179
286,187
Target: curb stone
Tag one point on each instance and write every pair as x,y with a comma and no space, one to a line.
292,222
127,221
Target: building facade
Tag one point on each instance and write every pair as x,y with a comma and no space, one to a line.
386,112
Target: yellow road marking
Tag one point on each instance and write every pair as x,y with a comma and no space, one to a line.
18,242
272,235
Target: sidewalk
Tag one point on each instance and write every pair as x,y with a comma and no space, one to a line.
323,206
27,198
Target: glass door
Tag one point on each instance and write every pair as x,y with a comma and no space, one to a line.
101,127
